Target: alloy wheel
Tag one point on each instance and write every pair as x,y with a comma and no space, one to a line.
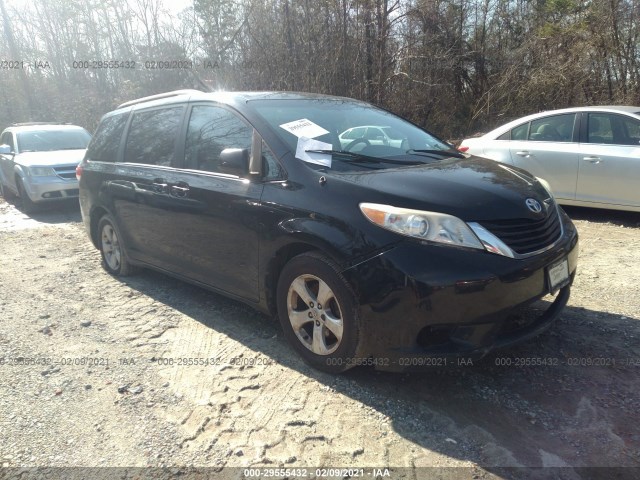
315,314
111,247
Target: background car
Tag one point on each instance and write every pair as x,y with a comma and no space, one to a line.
38,162
373,135
590,155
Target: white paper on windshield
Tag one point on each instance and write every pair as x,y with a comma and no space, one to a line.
304,128
305,143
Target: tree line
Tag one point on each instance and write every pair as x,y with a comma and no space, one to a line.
455,67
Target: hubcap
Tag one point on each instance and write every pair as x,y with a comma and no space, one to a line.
111,247
315,315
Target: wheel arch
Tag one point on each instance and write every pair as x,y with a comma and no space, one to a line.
18,173
280,258
96,214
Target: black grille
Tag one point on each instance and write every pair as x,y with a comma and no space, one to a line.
524,235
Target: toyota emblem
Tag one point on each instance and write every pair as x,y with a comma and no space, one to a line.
533,205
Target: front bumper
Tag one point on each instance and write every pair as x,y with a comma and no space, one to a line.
422,301
50,188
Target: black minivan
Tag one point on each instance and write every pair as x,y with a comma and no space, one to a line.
373,241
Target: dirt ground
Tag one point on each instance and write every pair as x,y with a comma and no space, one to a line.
98,371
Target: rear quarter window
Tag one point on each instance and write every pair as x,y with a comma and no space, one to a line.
104,144
520,132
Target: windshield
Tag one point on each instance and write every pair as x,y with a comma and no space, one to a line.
347,130
46,140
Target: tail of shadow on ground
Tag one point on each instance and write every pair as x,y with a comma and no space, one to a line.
597,215
566,401
64,211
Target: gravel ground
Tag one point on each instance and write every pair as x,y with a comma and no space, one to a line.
99,371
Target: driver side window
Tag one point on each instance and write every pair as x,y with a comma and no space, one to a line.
211,130
7,139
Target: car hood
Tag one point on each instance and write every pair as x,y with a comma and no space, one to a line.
50,159
473,189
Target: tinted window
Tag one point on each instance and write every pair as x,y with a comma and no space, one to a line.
599,128
152,136
557,128
630,130
272,169
211,130
506,136
613,129
105,143
49,140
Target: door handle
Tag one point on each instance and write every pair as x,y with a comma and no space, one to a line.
179,191
524,153
594,160
159,185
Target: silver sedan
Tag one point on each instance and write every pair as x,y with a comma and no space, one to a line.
590,156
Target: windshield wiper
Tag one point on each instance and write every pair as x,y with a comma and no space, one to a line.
444,153
360,158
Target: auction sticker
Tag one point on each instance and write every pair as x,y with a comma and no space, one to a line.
304,128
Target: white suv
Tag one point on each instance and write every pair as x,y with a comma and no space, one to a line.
38,162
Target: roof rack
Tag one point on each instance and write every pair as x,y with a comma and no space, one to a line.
175,93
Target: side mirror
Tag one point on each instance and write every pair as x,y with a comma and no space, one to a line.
234,161
5,150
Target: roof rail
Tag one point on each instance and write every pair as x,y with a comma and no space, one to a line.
27,124
175,93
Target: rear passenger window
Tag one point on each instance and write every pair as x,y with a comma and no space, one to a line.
211,130
104,144
152,136
613,129
557,128
354,133
630,131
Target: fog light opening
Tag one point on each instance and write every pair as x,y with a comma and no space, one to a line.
52,194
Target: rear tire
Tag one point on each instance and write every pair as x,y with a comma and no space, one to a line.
114,258
319,313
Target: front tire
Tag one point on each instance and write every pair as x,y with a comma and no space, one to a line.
6,192
319,313
27,205
114,259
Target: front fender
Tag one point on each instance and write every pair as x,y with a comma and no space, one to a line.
333,239
20,171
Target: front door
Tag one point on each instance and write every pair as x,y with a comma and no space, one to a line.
610,160
218,227
549,152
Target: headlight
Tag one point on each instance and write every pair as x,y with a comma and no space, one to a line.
429,226
41,171
546,186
